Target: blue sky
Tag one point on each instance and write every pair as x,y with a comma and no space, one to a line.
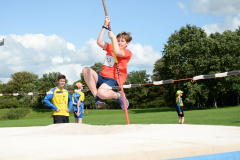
59,35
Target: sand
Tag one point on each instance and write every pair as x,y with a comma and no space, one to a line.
136,141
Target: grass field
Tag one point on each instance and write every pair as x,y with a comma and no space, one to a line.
229,116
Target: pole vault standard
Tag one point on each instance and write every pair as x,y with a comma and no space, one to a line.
119,76
2,42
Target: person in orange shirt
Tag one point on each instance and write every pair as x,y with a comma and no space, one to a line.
108,76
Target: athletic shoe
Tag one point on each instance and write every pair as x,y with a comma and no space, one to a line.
120,100
98,102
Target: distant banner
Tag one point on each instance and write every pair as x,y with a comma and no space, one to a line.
2,42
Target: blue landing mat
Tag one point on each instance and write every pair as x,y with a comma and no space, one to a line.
219,156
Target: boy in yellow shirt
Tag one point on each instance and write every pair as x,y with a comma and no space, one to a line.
60,101
180,107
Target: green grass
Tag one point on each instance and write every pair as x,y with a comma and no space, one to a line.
229,116
4,112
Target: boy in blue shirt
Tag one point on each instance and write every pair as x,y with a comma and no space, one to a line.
180,107
78,102
60,101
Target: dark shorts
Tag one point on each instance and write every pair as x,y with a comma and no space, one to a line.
181,115
109,81
60,119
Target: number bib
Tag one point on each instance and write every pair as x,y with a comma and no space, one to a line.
109,61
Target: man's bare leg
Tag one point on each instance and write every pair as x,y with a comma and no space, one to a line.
79,120
179,120
182,120
91,78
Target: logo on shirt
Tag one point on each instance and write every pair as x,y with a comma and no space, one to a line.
61,99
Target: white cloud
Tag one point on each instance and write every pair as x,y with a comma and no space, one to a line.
216,7
3,80
36,41
57,60
229,24
70,46
182,6
71,71
236,21
39,54
229,8
143,55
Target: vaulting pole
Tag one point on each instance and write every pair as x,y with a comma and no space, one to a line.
119,76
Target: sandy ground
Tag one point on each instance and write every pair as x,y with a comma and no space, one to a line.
156,141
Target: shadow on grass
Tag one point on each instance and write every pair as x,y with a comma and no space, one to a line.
151,110
220,107
42,110
236,122
207,108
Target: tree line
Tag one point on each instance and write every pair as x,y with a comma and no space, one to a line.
188,52
26,82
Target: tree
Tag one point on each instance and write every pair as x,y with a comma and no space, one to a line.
137,97
188,53
27,100
183,58
18,80
156,92
226,47
47,82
